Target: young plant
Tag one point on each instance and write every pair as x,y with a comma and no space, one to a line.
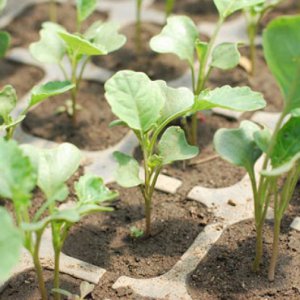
281,164
4,36
254,15
55,43
85,289
8,102
22,169
147,108
180,36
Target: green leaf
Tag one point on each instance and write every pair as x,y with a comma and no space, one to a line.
2,4
81,46
8,101
87,209
237,98
10,244
56,166
127,173
263,138
17,175
173,146
238,145
228,7
177,37
91,189
85,289
287,143
176,100
201,49
116,123
4,43
70,215
105,36
281,42
53,88
50,49
134,99
225,56
85,8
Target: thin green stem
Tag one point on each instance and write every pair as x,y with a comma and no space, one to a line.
271,274
74,90
56,282
252,31
52,11
138,29
169,7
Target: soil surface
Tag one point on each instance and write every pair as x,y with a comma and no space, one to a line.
143,59
25,286
91,131
104,239
33,17
225,273
13,73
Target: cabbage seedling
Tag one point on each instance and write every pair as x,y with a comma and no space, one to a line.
243,146
8,102
254,15
4,36
147,108
55,43
24,168
180,36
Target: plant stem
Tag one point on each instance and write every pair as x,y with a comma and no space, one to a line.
252,30
138,28
74,90
274,257
38,267
169,7
56,272
52,11
259,248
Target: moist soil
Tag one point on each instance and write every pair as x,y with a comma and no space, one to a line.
33,16
91,131
198,10
225,273
138,56
14,73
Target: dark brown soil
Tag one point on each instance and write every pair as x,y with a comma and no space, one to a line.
91,131
13,73
104,240
225,273
25,286
287,7
156,66
262,81
33,17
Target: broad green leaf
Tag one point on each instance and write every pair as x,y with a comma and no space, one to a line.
91,189
238,145
70,215
81,46
237,98
87,209
105,36
134,99
42,92
56,166
127,173
17,175
50,49
2,4
116,123
85,8
173,146
10,244
281,41
176,100
228,7
263,138
178,37
8,101
225,56
4,43
287,143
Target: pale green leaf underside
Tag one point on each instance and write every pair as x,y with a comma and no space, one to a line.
10,244
127,173
225,56
8,101
237,99
173,146
281,42
238,146
177,37
85,8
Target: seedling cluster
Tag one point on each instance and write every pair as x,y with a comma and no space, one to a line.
149,109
